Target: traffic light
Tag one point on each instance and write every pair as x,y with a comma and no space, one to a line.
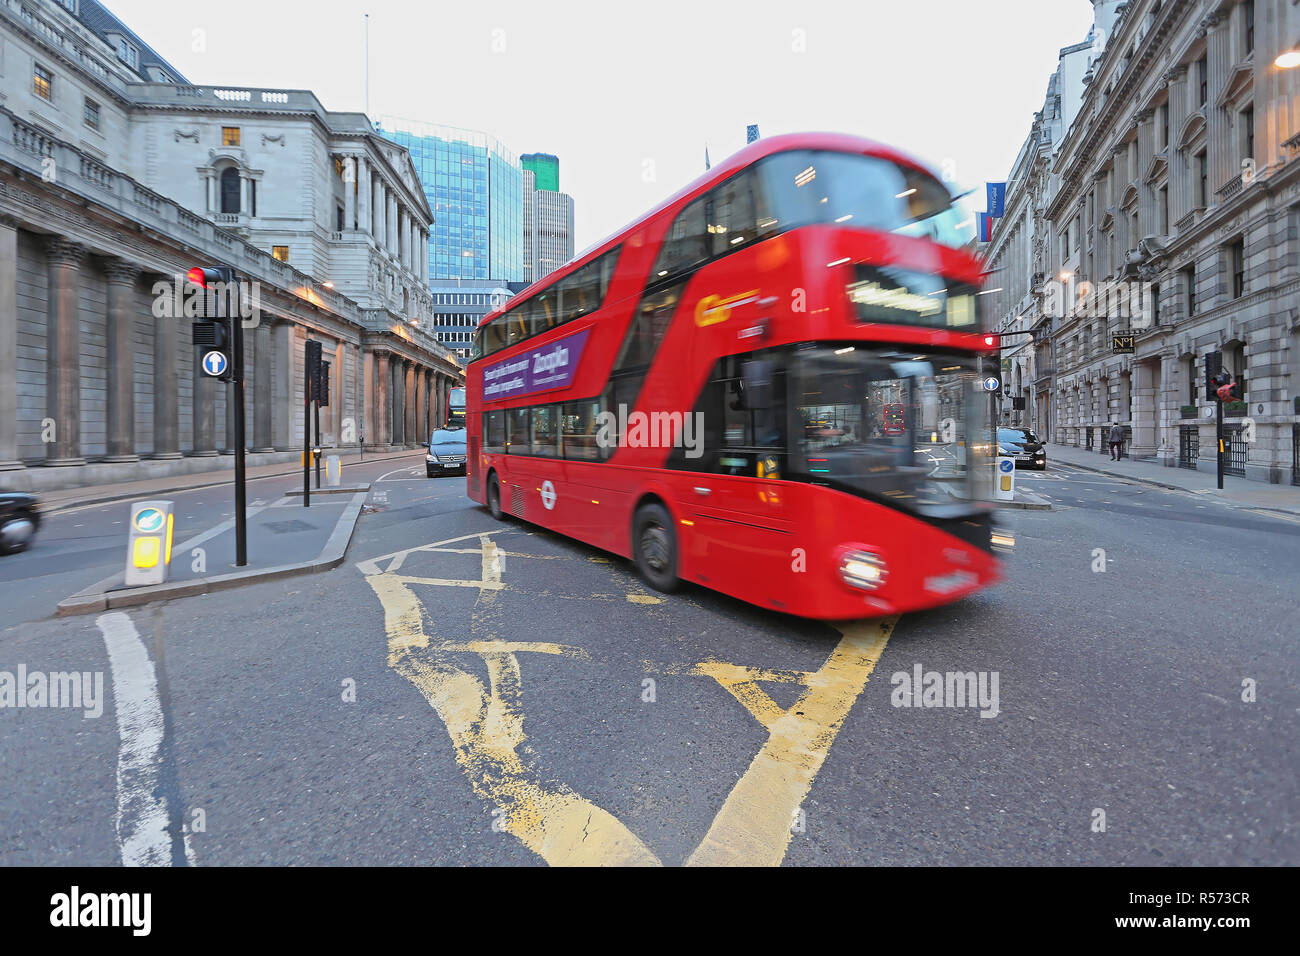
991,341
323,383
313,368
214,332
1229,392
1213,370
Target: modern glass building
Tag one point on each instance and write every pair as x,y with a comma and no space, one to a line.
545,167
475,188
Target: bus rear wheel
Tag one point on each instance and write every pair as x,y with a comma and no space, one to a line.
494,497
654,547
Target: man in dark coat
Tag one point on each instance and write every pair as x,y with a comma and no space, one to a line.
1116,442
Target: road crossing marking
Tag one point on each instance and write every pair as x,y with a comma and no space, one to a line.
142,819
486,727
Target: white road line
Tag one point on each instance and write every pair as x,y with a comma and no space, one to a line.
396,471
141,811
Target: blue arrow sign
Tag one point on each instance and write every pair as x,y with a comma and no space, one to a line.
991,384
214,363
149,521
1006,464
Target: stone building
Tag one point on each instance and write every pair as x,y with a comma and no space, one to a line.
116,176
1177,185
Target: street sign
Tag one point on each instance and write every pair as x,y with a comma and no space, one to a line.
149,543
991,384
215,363
1122,343
1006,479
548,495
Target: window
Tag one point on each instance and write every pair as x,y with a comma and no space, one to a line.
338,218
1164,124
252,197
578,431
1248,133
494,431
518,438
280,252
546,435
1237,266
90,113
42,82
1202,180
230,136
230,190
1164,210
1248,18
1065,244
1203,80
128,54
1189,288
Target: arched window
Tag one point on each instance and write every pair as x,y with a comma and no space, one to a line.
230,190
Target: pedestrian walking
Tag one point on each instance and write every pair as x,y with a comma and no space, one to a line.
1116,442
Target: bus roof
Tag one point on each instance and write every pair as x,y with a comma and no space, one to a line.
831,142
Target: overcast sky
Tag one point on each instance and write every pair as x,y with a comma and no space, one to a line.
627,94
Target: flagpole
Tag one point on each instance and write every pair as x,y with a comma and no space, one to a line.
367,66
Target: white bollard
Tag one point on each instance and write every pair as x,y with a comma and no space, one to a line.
333,471
1005,479
149,543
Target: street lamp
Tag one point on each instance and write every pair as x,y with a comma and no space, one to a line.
1288,59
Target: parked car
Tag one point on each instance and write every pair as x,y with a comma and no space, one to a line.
446,452
20,516
1022,445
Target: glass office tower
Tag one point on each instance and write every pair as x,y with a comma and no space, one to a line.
475,188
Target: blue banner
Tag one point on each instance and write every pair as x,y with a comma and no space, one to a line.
997,199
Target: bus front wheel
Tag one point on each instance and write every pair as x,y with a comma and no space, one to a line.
494,497
654,547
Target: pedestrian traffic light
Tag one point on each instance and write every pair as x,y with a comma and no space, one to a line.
313,368
1229,392
1213,369
214,333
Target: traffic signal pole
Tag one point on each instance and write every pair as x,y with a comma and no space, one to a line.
1218,434
306,425
316,443
237,361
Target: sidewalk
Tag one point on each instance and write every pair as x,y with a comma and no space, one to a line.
284,539
1237,492
53,502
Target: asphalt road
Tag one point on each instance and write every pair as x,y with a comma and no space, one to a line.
464,691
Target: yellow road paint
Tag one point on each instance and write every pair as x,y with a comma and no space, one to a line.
753,828
486,728
1274,514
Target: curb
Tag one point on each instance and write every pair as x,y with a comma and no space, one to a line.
49,510
99,597
1187,491
1041,504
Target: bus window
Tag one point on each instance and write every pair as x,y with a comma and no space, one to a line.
546,435
494,335
544,312
494,431
734,221
518,439
517,324
578,431
686,245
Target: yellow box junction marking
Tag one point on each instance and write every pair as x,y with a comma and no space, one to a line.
754,825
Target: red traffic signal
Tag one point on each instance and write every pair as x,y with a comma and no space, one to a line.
202,277
991,341
1229,393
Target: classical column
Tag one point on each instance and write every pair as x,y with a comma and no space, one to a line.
1147,224
349,192
166,401
383,388
363,194
263,398
1180,172
120,360
366,396
1224,163
421,407
431,401
63,351
411,430
377,210
391,219
282,385
245,206
403,246
210,177
9,344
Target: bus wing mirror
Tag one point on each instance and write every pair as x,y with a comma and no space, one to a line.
757,376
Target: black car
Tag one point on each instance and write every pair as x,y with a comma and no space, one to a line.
20,516
1024,446
446,452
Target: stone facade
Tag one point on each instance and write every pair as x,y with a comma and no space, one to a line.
98,224
1177,185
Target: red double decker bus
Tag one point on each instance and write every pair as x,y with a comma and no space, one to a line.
707,392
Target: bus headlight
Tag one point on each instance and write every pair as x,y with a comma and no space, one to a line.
863,570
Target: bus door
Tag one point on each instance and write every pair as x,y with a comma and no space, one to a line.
743,535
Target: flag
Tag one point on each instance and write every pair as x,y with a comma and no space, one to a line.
983,227
751,134
707,164
997,199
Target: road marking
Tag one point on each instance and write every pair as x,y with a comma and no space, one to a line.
753,828
396,471
1275,514
142,812
486,726
644,599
